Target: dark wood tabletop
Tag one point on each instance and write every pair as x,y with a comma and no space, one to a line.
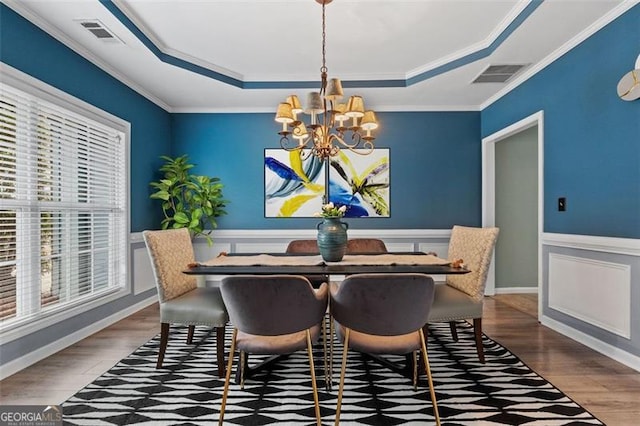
332,269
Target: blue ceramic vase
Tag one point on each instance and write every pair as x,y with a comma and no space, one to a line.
332,239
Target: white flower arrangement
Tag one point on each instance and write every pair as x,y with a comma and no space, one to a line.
329,210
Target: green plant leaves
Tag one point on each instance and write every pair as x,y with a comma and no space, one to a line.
188,201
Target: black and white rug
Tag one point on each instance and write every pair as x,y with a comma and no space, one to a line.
187,390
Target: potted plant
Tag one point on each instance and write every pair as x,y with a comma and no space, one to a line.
188,200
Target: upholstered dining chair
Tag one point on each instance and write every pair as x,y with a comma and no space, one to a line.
461,297
181,300
307,247
365,245
303,247
354,246
274,315
383,314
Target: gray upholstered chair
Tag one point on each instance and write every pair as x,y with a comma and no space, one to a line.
274,315
461,298
181,300
383,314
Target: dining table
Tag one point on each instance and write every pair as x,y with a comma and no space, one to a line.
312,264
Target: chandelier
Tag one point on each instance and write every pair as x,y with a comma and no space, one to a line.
332,125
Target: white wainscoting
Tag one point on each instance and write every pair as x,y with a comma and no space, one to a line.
593,291
594,288
276,241
626,246
142,276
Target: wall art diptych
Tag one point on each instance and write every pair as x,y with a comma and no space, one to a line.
292,187
295,187
361,182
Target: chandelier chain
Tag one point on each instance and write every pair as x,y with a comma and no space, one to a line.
324,37
332,125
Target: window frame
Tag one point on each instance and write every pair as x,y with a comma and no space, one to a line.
17,79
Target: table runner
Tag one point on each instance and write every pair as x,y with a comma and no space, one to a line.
314,260
390,259
264,260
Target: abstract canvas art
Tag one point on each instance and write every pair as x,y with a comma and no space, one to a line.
294,187
361,182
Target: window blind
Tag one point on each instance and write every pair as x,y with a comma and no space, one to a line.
62,207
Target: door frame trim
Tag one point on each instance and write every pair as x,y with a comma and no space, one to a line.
488,188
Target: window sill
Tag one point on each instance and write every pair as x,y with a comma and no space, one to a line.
26,326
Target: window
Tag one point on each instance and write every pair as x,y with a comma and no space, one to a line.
63,192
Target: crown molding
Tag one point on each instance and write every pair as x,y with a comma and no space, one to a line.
474,48
23,10
162,47
558,53
271,110
27,13
177,58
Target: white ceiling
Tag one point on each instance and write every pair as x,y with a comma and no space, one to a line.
433,47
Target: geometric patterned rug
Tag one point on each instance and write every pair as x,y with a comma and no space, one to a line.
187,391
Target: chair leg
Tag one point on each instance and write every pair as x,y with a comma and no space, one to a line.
327,382
241,365
190,334
477,330
228,377
342,371
164,337
313,379
425,355
415,371
331,335
220,350
454,330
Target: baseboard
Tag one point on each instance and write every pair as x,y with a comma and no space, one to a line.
516,290
617,354
31,358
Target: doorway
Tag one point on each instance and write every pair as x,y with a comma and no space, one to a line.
504,205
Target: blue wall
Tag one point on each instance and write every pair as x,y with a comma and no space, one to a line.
592,138
435,167
32,51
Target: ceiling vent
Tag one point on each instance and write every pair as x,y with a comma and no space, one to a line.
99,30
498,73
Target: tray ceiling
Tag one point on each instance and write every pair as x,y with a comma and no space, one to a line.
247,55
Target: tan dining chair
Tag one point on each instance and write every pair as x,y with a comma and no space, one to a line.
181,300
383,314
462,296
274,315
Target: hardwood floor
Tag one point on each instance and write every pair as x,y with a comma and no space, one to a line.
606,388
